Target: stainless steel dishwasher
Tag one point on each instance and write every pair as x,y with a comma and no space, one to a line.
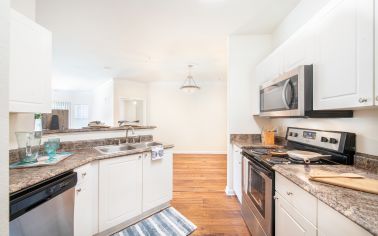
45,209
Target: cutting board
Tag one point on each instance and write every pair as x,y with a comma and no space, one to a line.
360,184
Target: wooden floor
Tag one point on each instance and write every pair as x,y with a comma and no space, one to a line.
199,182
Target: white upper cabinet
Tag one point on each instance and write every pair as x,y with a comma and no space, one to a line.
157,180
30,66
339,42
299,50
343,67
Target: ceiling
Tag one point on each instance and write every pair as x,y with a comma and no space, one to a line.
147,40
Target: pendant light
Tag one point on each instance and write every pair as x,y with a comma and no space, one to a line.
190,86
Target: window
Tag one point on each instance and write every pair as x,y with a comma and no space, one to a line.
81,111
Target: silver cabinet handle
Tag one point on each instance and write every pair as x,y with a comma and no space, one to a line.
84,174
362,100
289,193
78,190
139,157
376,98
275,198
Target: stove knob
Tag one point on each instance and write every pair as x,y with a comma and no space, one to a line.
295,134
333,140
291,134
324,140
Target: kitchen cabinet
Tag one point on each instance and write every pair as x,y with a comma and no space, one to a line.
237,170
30,66
289,221
297,212
304,202
330,223
271,68
339,42
157,180
120,190
85,199
343,67
299,49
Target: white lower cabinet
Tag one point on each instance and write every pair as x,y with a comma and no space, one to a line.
289,221
299,213
331,223
120,190
157,180
237,172
85,198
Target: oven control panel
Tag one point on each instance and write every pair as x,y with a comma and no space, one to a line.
324,139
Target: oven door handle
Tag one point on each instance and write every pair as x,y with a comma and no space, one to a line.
261,170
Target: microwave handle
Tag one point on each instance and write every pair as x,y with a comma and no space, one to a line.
284,94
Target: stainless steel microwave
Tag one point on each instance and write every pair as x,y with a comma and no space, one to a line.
291,95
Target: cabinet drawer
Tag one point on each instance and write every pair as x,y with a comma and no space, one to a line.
305,203
83,173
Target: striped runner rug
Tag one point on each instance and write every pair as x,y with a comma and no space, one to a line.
168,222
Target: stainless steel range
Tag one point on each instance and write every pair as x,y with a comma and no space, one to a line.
304,147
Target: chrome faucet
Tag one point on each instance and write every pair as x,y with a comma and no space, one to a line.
127,132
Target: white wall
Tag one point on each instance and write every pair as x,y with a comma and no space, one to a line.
75,98
297,18
244,53
125,89
25,7
364,124
4,103
194,123
103,100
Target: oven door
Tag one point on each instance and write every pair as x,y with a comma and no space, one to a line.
258,193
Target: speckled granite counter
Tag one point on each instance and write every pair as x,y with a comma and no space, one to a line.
23,178
87,129
360,207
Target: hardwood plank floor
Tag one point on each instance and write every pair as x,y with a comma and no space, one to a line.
198,193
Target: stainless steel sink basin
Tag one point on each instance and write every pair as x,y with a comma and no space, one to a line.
109,149
115,148
146,144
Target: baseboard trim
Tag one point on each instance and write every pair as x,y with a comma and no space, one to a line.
229,191
200,152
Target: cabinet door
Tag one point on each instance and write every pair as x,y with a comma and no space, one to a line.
30,66
330,223
157,180
83,210
237,172
299,49
85,199
288,221
343,69
120,190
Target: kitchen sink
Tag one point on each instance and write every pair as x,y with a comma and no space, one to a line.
115,148
146,144
125,147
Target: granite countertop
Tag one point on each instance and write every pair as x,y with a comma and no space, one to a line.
360,207
87,129
26,177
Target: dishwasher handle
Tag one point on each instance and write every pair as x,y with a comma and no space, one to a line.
28,199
